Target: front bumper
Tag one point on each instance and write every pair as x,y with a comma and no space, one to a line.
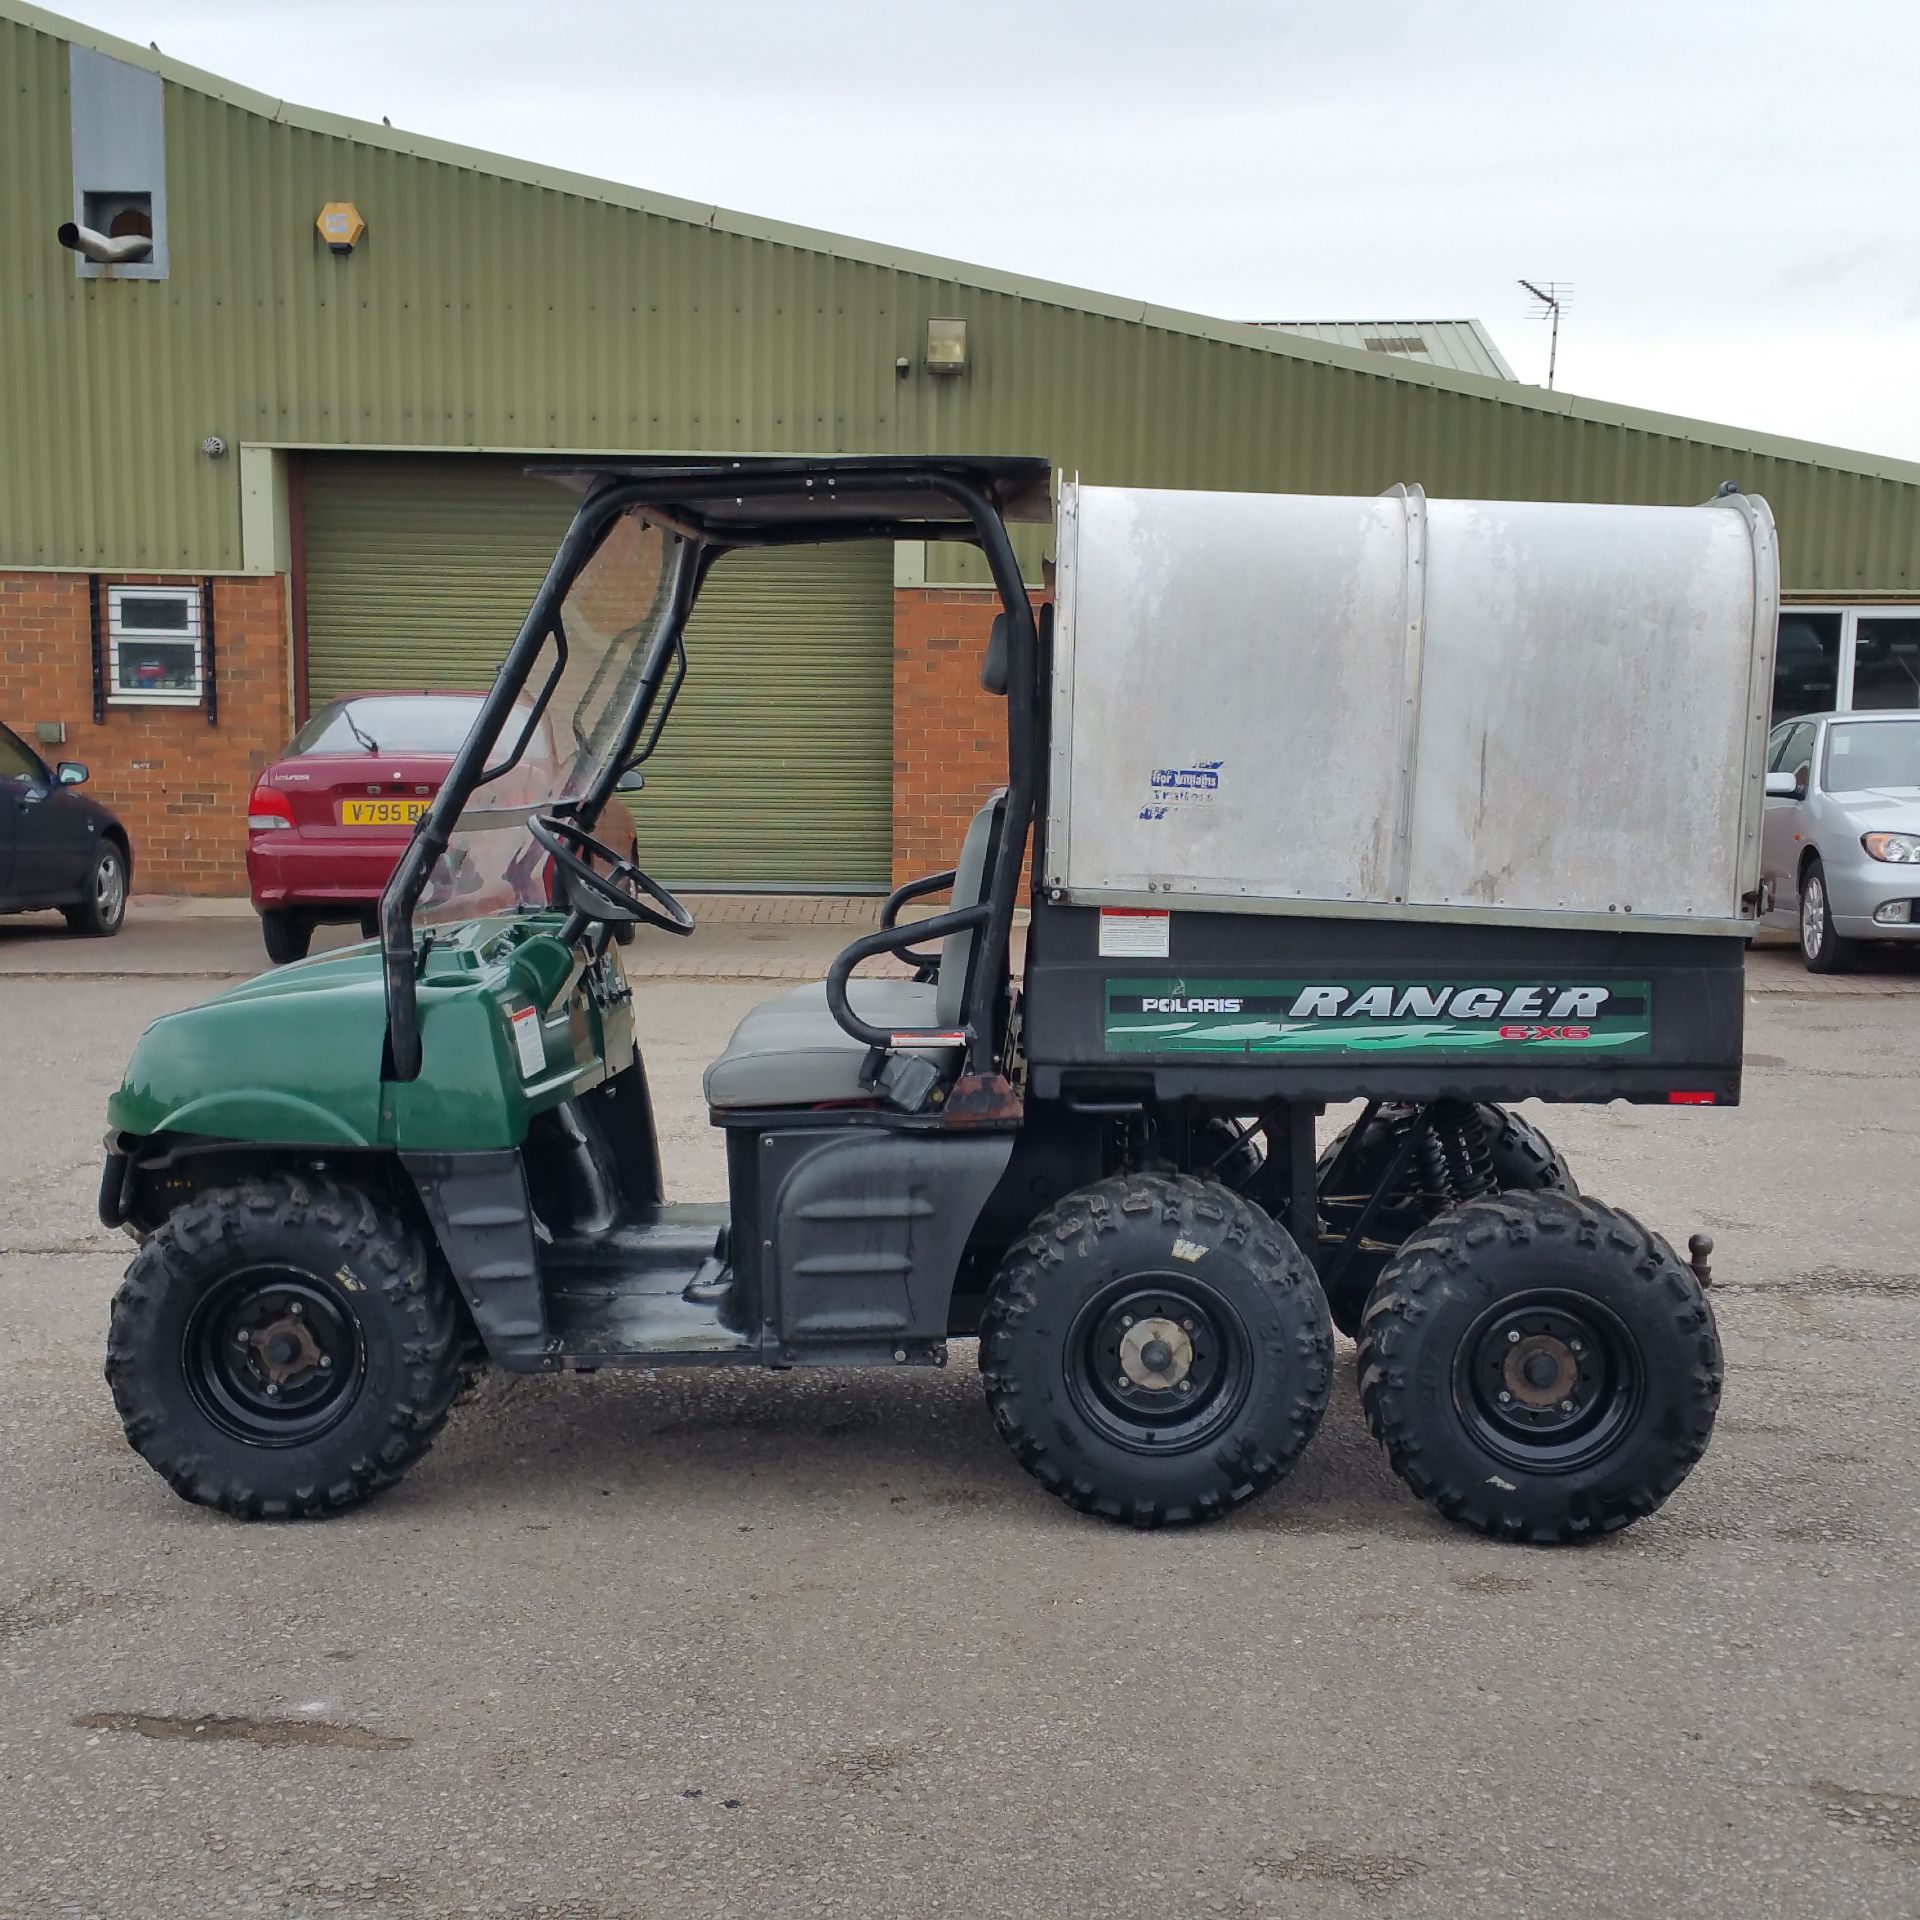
1857,890
116,1182
1853,926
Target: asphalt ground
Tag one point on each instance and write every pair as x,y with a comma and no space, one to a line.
809,1643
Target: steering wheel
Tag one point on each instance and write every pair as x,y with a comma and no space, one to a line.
606,899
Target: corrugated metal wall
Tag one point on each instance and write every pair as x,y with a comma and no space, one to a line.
420,570
486,312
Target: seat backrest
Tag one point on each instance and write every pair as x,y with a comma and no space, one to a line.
970,876
993,667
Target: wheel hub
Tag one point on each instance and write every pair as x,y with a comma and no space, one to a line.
1548,1379
1156,1354
273,1356
1541,1369
1158,1362
284,1350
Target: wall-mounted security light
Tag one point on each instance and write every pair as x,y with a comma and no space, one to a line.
946,346
340,226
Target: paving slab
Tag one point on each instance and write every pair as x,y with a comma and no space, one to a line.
736,938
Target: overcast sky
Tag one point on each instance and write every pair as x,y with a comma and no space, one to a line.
1733,190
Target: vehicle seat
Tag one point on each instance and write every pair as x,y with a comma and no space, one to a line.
792,1052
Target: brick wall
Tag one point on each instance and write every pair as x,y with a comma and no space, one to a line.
179,785
949,733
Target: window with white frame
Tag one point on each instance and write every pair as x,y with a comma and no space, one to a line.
1846,659
1886,658
154,656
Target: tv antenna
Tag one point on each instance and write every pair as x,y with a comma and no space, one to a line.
1552,296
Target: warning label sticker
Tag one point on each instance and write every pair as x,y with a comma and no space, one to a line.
526,1037
1133,933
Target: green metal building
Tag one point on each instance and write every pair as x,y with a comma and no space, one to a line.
347,430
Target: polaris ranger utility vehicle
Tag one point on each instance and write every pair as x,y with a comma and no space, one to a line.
1373,800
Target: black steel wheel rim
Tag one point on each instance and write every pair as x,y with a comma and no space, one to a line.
274,1356
1158,1363
1548,1381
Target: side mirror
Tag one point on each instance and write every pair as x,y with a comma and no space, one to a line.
1783,786
70,773
632,781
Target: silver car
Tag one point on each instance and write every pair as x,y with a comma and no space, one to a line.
1841,840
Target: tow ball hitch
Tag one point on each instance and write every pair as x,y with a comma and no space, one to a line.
1699,1254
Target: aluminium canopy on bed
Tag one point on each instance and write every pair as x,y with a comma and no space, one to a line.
1509,712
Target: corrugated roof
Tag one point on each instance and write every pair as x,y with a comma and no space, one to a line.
1463,345
987,279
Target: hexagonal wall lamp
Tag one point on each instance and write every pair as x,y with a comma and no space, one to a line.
946,346
340,226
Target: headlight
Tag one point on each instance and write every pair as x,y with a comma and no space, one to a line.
1902,849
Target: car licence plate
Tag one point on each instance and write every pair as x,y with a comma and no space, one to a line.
381,813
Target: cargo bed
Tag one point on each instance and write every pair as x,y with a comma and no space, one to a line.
1252,1008
1398,798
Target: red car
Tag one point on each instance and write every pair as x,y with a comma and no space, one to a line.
329,818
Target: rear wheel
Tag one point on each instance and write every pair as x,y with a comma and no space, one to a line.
104,904
1481,1142
287,934
282,1348
1156,1351
1540,1367
1823,949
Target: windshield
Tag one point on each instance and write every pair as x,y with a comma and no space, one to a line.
613,616
389,723
1872,753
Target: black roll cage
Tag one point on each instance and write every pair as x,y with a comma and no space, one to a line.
747,504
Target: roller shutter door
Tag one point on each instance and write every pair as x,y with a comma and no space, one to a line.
776,767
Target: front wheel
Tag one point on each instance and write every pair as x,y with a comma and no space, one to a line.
1540,1367
103,906
282,1348
1824,950
1156,1351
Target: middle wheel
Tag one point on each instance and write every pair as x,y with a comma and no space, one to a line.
1156,1350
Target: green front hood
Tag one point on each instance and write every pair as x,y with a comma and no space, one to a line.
294,1056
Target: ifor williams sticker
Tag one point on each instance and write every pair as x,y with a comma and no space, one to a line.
1169,789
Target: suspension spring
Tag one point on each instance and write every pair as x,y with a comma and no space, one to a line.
1469,1153
1436,1183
